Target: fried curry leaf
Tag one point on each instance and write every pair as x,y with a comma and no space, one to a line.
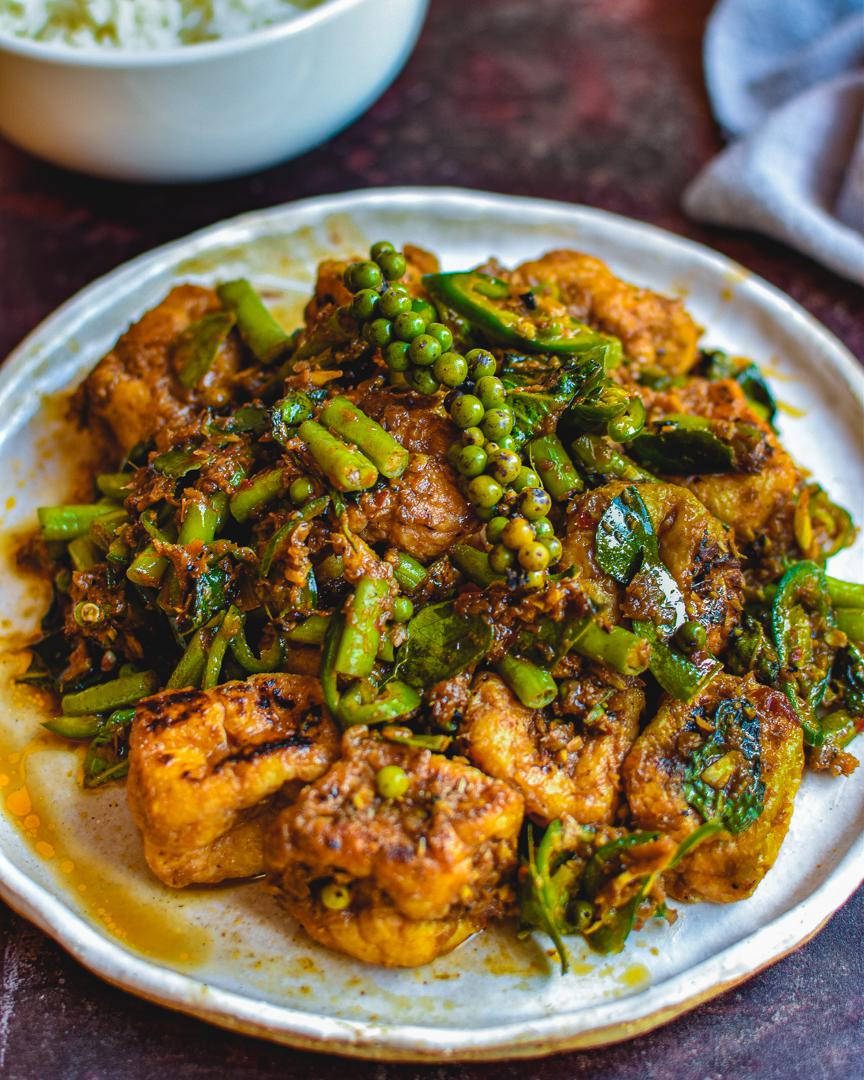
625,536
538,393
440,643
717,364
722,780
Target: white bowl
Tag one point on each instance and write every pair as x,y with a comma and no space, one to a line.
201,112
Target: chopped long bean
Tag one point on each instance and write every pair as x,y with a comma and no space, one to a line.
358,645
264,336
553,465
83,553
409,573
114,486
202,519
534,687
623,651
229,626
851,622
311,631
345,467
190,667
258,491
352,424
70,521
74,727
126,690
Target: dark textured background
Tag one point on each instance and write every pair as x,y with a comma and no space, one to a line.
594,101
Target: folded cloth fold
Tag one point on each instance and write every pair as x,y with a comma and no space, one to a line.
786,77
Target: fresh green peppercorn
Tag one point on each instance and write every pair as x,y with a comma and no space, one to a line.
396,355
535,579
471,461
335,897
473,436
507,442
380,247
378,332
542,528
526,478
535,503
424,350
497,422
364,275
467,411
501,559
301,490
403,609
505,466
394,301
533,556
392,782
692,635
481,362
453,454
495,528
442,335
517,533
553,546
425,309
484,491
485,513
422,380
408,325
364,304
393,264
451,368
491,391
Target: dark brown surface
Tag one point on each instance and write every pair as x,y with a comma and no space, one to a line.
595,101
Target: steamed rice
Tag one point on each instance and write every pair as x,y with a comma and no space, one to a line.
140,24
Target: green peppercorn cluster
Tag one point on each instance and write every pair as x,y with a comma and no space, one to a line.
506,492
416,346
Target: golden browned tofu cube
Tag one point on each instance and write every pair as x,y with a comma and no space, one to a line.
562,767
765,747
396,881
206,766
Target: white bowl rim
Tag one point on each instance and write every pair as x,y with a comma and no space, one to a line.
61,53
412,1042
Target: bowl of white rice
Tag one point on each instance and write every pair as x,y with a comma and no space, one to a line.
187,90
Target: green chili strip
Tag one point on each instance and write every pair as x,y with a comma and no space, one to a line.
677,675
127,690
310,632
74,727
395,700
844,594
358,645
198,345
554,467
345,467
409,573
256,492
624,652
71,521
264,336
598,456
474,565
534,687
352,424
114,485
851,622
229,626
270,660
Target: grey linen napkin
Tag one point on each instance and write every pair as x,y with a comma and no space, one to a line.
786,80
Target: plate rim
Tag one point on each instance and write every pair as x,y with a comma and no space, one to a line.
147,978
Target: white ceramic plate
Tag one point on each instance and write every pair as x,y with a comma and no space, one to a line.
72,863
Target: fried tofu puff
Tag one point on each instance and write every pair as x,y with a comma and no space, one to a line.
752,503
694,546
724,867
206,766
567,765
419,873
135,391
655,330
